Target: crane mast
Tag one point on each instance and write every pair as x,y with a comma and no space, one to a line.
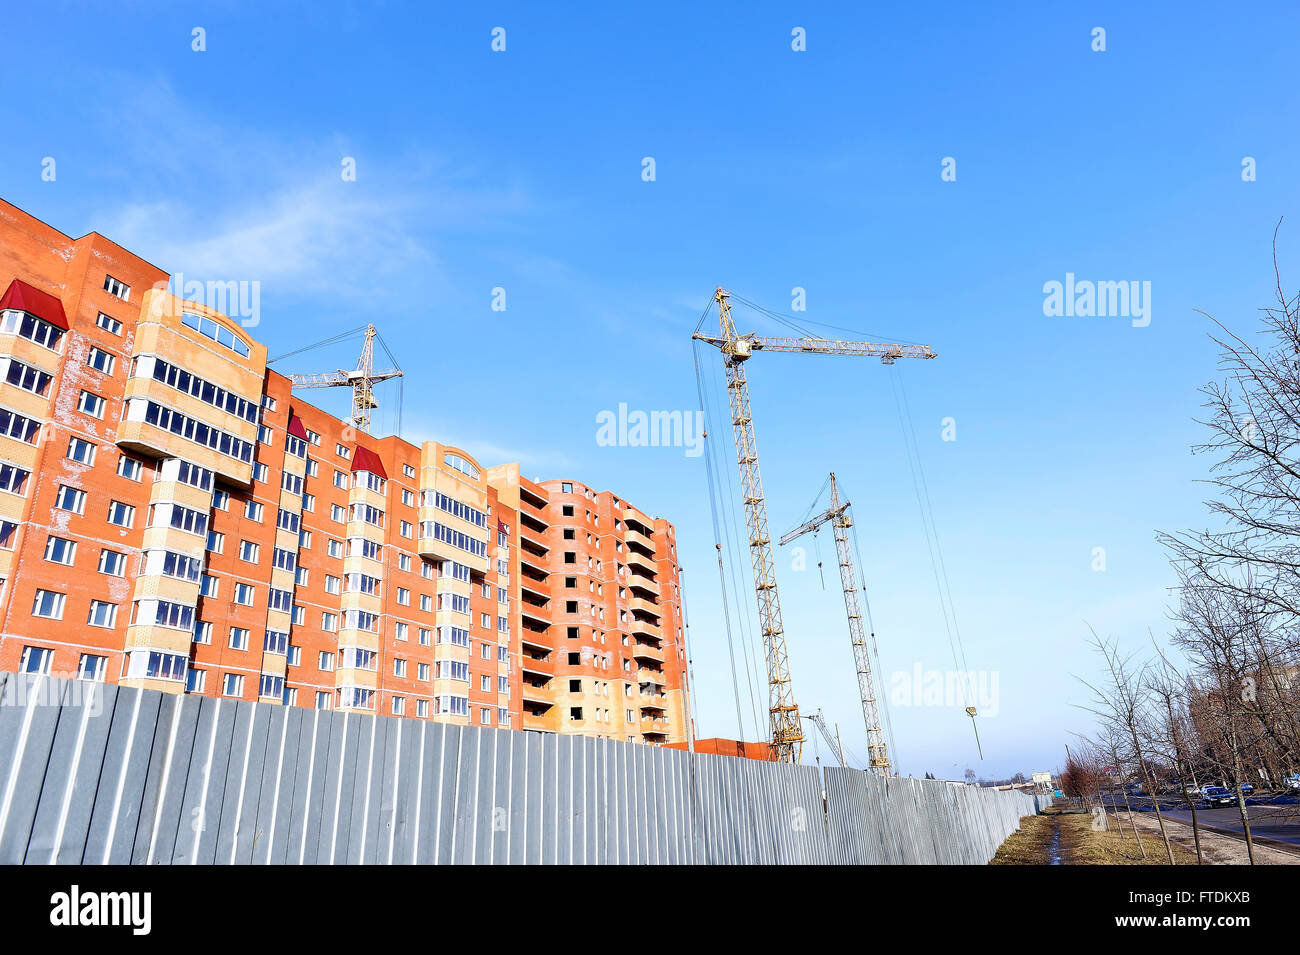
783,714
840,520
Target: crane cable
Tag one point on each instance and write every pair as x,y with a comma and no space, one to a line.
931,536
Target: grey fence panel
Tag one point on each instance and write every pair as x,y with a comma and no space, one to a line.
126,759
104,774
205,782
279,776
308,804
33,707
165,782
243,784
62,821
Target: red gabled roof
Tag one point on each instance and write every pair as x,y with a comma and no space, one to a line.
296,427
30,299
363,459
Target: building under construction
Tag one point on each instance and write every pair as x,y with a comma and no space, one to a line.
174,516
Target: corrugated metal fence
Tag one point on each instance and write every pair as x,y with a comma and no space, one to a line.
95,773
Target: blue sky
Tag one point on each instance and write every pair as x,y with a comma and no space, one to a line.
775,169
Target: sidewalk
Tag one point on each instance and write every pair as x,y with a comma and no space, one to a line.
1216,849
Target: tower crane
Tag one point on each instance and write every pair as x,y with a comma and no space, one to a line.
361,379
836,746
840,520
783,713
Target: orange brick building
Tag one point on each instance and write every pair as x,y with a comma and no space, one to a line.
172,516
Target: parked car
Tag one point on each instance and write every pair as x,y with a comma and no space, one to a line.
1218,796
1247,789
1291,782
1191,791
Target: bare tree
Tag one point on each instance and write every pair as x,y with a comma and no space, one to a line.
1121,706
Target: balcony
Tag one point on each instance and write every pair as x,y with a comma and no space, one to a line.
639,539
637,559
531,588
645,586
641,605
644,651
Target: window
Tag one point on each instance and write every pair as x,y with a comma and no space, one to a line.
117,287
92,667
70,499
260,471
13,479
27,378
102,614
399,705
248,551
49,604
232,685
216,542
342,451
30,327
36,660
181,518
244,594
403,596
203,633
422,708
92,404
195,680
60,551
270,687
123,515
110,325
422,671
281,600
83,452
112,563
402,631
218,333
408,470
329,622
326,661
238,638
129,468
100,360
253,511
399,667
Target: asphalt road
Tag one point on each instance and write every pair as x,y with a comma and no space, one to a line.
1272,816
